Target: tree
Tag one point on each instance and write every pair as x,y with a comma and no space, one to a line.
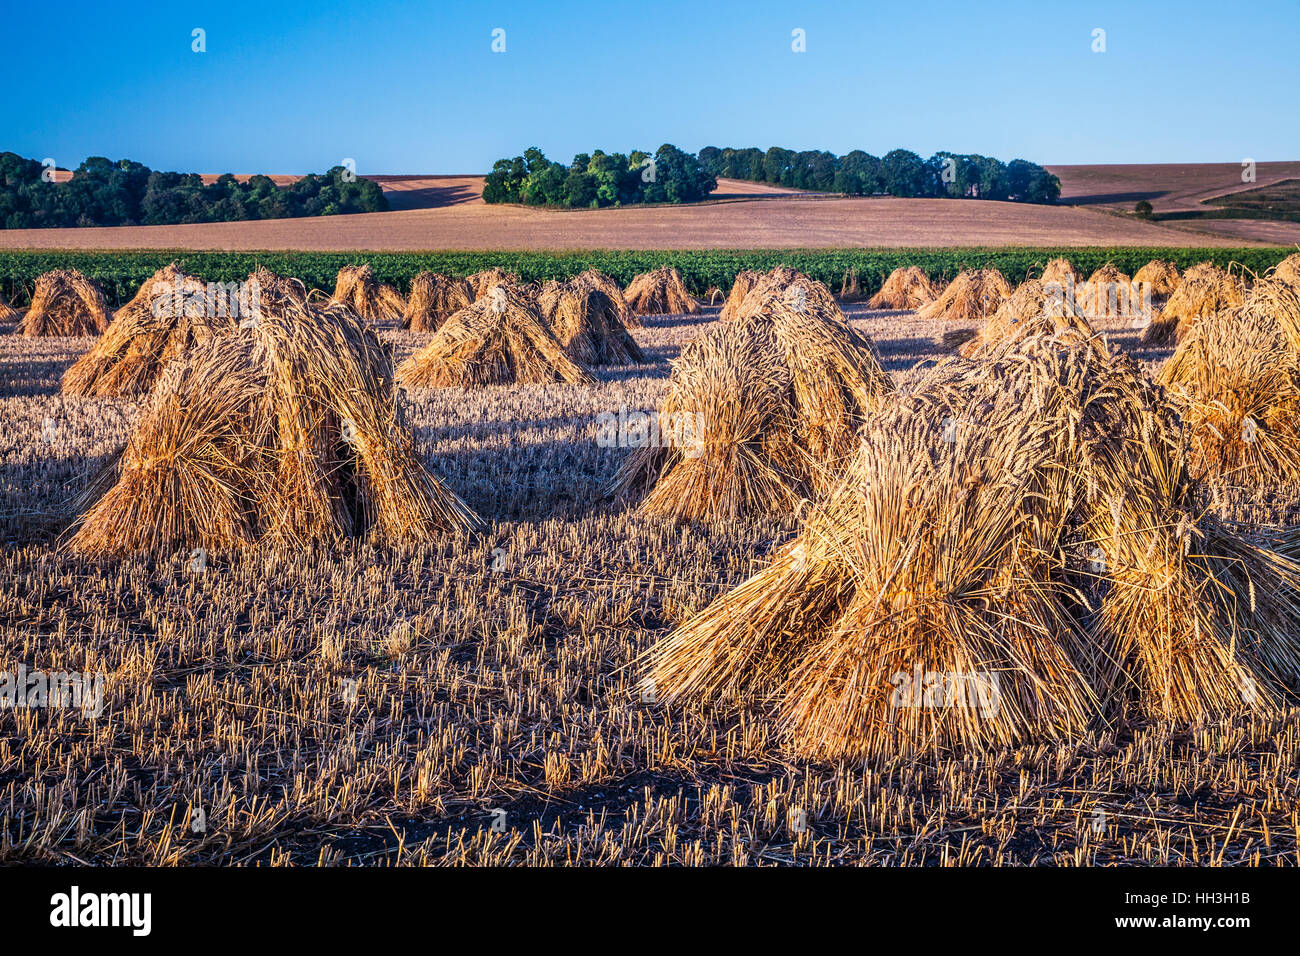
903,173
678,177
104,192
579,185
545,185
777,166
711,159
991,180
857,174
1029,182
1142,209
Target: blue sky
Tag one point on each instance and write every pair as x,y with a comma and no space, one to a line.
416,88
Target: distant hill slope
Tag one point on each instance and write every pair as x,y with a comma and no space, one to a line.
447,213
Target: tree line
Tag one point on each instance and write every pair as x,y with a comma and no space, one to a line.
899,172
670,175
596,179
102,192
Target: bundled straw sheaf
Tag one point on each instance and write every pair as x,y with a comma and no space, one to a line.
1012,555
586,322
974,295
1032,309
483,282
1062,272
757,287
761,411
595,279
288,430
358,289
1204,290
850,285
1110,294
274,290
7,312
65,302
905,288
660,292
170,313
1235,378
500,339
1159,275
434,298
740,286
1288,270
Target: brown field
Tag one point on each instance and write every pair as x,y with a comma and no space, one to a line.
1168,187
498,672
447,213
1176,187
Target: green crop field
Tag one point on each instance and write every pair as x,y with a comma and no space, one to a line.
121,273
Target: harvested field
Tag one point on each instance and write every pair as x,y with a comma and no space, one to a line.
395,697
755,221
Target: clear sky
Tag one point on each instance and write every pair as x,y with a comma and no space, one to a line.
416,88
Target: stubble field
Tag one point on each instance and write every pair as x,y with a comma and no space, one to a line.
476,701
448,213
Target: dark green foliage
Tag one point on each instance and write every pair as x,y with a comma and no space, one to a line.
1142,209
126,193
599,179
675,177
120,273
903,173
1029,182
900,173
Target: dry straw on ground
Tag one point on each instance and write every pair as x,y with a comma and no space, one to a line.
288,430
587,324
1032,309
660,292
1204,290
1235,377
974,295
357,288
1014,554
483,282
65,302
170,312
905,288
761,410
434,298
501,339
1160,275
